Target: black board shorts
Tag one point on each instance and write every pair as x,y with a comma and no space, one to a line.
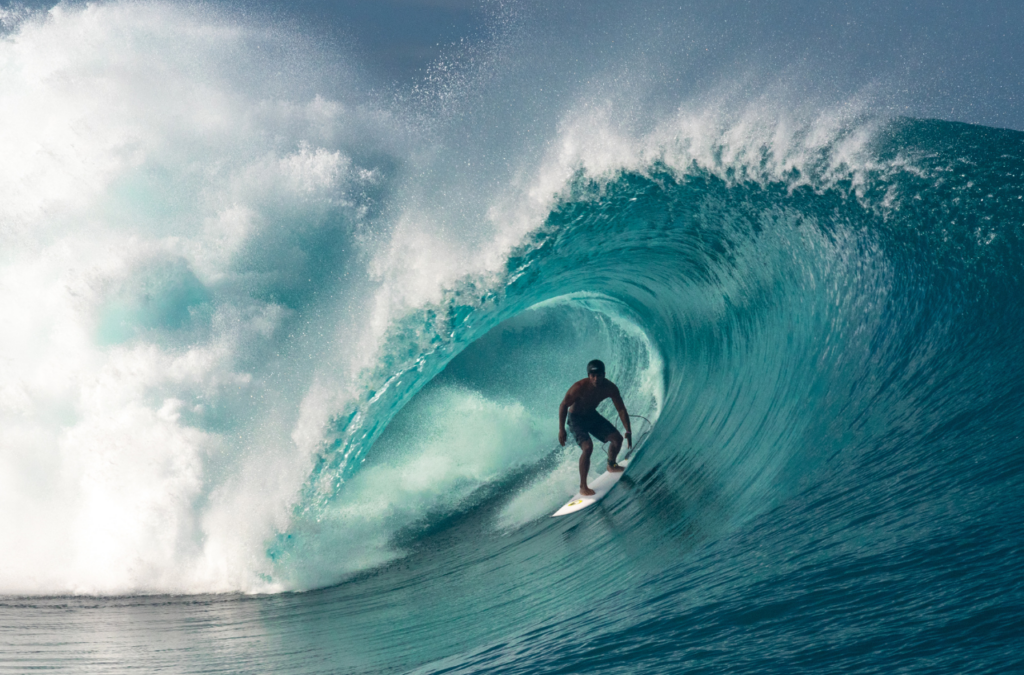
591,423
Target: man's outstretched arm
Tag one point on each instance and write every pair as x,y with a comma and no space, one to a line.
623,415
563,410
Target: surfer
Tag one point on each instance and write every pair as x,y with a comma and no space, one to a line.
580,404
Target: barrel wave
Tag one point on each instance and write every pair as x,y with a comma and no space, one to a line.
276,397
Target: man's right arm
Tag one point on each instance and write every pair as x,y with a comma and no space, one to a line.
563,410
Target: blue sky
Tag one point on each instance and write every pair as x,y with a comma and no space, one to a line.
959,60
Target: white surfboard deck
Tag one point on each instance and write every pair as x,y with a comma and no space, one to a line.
600,485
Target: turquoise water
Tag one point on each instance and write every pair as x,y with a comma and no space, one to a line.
308,425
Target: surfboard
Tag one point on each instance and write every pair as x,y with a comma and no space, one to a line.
600,485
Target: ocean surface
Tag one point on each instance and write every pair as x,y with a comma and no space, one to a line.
282,356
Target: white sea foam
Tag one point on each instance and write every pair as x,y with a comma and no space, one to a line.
166,190
449,443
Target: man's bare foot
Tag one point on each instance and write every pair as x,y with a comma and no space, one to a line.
615,468
586,492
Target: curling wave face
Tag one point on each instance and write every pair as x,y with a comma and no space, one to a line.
227,285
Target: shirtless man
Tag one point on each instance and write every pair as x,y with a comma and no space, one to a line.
580,403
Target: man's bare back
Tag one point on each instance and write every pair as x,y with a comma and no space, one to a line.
580,407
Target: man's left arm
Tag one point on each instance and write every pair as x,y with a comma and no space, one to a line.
623,415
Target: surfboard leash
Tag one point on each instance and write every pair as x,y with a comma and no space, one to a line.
645,434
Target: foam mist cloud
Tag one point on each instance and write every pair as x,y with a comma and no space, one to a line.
181,224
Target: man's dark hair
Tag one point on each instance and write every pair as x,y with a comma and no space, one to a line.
595,367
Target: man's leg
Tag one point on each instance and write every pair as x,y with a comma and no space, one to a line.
614,445
587,447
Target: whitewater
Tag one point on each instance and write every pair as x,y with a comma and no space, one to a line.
282,353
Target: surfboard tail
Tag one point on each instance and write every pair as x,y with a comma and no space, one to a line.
600,485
